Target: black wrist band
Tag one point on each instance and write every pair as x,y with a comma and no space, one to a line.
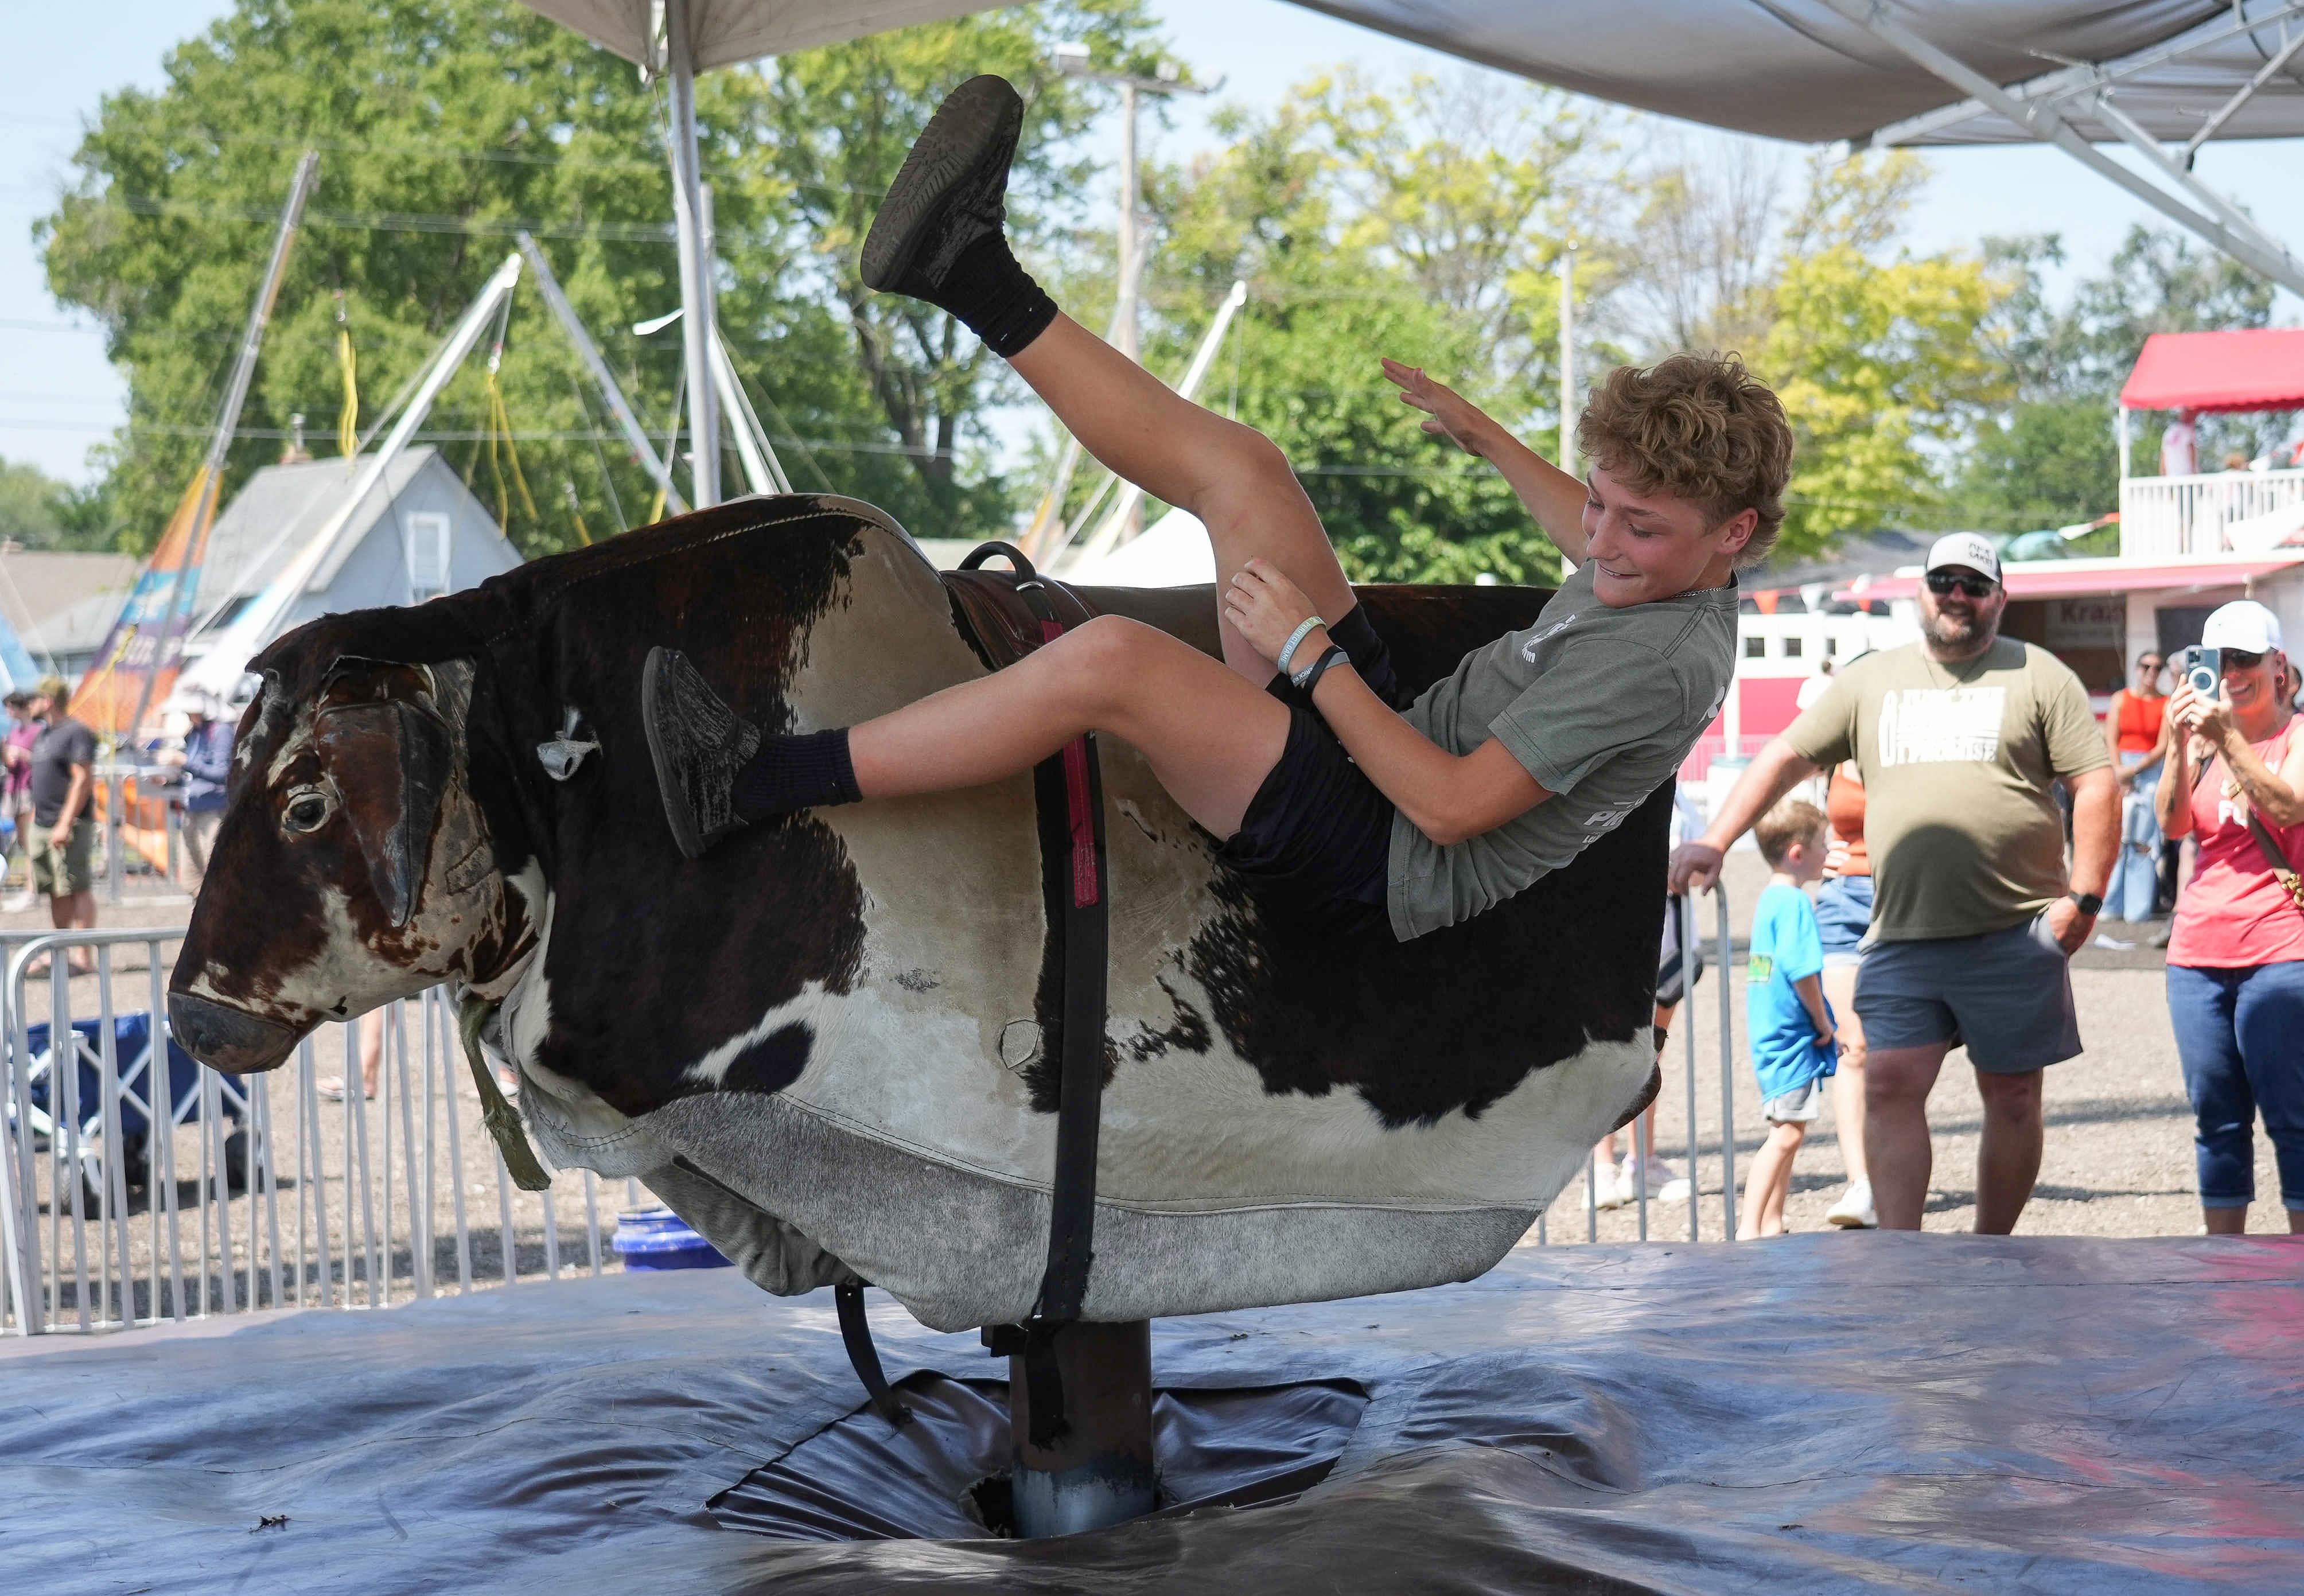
1334,656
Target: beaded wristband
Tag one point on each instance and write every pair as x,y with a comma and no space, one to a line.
1304,629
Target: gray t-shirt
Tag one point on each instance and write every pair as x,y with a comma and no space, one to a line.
1600,705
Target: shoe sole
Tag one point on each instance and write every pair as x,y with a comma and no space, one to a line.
684,834
1850,1222
973,118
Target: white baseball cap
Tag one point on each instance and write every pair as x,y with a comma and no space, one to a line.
2244,624
1965,548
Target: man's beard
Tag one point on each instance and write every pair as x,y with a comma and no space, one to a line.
1957,632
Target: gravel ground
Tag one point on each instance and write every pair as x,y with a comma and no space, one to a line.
2118,1160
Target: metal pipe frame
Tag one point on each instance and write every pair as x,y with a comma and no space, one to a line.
95,1283
2044,122
695,258
2069,82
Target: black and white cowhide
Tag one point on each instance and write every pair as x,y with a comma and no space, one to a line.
830,1044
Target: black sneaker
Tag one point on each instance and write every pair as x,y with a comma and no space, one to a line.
951,193
699,744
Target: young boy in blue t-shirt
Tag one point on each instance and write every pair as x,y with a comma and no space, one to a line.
1790,1022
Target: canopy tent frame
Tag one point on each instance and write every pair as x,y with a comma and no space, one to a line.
2038,111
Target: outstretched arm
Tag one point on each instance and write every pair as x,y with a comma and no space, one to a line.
1552,496
1776,772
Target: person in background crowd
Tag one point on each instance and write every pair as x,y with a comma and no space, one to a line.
208,767
2179,445
1960,739
16,792
64,815
1785,1015
2135,734
2233,780
1843,914
1617,1184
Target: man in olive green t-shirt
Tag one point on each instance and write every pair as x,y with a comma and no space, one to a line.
1960,740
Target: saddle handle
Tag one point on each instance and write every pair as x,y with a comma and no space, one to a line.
1027,575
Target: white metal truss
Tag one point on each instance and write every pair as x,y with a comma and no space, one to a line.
2045,108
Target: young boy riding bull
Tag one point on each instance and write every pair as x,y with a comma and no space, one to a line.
1299,749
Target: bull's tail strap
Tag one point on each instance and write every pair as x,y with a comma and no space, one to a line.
496,1113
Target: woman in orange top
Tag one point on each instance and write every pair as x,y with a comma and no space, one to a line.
2135,734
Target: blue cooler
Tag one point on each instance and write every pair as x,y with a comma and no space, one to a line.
656,1239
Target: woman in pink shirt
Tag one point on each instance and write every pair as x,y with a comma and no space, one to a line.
2233,779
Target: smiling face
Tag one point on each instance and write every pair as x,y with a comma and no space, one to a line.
1959,612
2252,683
1643,546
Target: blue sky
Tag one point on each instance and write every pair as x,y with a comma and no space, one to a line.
58,396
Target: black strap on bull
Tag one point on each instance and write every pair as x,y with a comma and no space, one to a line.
1070,789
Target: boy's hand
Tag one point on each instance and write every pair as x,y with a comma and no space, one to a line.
1452,415
1264,607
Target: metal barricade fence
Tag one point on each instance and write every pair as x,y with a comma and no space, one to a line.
137,1186
1693,958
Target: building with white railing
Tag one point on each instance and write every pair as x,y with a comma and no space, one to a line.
2186,511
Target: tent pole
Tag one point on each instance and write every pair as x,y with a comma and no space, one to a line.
695,261
2176,172
2043,122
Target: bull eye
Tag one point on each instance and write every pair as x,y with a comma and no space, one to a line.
306,810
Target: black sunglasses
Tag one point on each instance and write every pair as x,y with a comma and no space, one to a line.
2148,665
1943,583
2241,659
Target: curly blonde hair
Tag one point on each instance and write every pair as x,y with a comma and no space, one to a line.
1700,427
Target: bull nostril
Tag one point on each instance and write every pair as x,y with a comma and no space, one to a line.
228,1038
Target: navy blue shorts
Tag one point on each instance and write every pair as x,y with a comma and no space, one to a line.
1319,829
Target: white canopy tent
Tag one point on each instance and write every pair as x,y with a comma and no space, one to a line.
2161,76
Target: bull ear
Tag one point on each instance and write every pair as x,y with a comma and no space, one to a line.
390,762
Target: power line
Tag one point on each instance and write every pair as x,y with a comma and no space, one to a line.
149,205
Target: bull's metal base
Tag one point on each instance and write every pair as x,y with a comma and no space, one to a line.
1099,1471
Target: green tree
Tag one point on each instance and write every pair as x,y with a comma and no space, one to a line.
1368,223
2050,463
444,124
31,506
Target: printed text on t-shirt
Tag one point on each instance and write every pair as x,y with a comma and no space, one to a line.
1941,726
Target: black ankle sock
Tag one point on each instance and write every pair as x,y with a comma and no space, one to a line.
995,298
806,771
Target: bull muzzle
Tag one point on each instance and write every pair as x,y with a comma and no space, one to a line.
231,1040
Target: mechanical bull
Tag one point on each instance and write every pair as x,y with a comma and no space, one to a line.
830,1045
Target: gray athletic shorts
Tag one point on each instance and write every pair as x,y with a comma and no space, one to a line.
1799,1106
2007,995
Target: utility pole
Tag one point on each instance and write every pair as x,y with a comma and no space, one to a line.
1568,359
1072,60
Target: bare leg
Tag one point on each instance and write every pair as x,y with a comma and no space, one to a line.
1769,1182
1848,1083
2232,1221
1897,1081
1211,738
2008,1158
1232,477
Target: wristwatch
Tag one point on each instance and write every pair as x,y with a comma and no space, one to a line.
2091,904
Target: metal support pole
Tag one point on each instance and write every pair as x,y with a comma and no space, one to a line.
1688,945
1568,359
1727,1075
1099,1471
2134,136
2043,122
695,260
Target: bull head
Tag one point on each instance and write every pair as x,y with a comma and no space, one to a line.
354,864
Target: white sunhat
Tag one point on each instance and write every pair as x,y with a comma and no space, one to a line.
2244,625
1965,548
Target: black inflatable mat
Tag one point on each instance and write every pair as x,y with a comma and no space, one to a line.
1826,1413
